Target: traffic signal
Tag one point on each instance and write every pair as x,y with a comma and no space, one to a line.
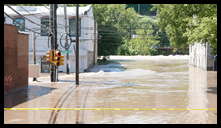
59,58
55,57
49,56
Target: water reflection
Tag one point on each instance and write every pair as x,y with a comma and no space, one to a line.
197,98
25,94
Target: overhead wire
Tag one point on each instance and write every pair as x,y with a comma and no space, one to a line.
81,39
88,28
23,16
100,31
62,24
40,15
19,23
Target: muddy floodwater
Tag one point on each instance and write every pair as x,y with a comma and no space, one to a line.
171,90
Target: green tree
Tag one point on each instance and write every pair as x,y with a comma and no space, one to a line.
202,27
114,26
146,38
143,9
188,23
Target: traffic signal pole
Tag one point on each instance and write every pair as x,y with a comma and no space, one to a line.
77,46
66,38
53,27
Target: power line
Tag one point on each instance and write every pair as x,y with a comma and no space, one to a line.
39,14
49,22
109,33
89,28
58,23
23,16
19,23
101,31
83,39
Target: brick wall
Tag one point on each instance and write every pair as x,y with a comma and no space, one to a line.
22,60
10,59
15,59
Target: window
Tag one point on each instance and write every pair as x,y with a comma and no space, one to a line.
44,26
72,26
19,23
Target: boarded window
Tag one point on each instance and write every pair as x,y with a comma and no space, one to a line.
72,26
44,26
19,23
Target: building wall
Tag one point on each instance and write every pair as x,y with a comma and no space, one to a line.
15,59
22,59
199,56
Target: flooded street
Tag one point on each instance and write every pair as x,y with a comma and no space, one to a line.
122,91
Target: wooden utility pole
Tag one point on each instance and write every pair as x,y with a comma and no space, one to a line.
66,39
53,36
77,46
95,34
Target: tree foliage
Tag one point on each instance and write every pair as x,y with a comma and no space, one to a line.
114,25
189,23
145,41
117,24
143,9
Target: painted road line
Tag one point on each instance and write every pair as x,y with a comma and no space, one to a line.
136,109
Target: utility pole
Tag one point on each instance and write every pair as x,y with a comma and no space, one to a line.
94,55
66,39
96,51
139,8
77,46
53,26
34,52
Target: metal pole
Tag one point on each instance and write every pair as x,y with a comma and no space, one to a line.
66,38
53,39
94,55
77,46
34,52
55,36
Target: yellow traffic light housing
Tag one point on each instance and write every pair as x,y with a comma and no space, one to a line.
59,58
49,55
55,57
61,61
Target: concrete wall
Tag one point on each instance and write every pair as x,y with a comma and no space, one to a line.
15,59
90,59
199,56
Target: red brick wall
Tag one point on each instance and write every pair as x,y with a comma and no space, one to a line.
22,60
15,58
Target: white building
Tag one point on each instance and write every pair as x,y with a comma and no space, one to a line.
40,17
